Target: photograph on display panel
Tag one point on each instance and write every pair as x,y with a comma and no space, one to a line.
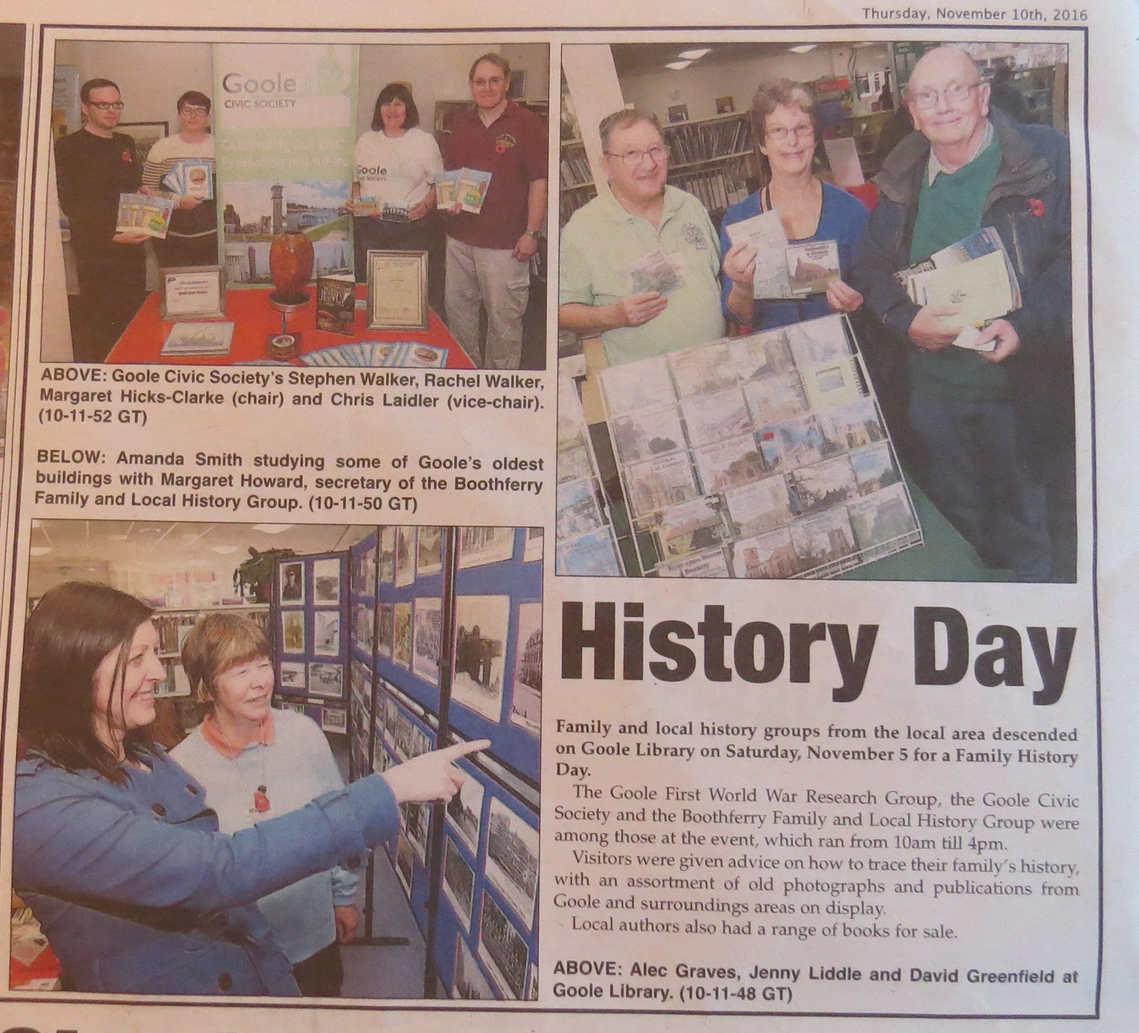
170,170
928,334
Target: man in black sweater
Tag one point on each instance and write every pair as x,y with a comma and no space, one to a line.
93,166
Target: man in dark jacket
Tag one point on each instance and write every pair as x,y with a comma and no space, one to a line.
994,425
93,167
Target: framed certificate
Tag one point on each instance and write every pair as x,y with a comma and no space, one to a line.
397,290
192,292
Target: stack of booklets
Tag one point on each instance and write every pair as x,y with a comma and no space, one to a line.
375,353
150,215
973,276
191,177
785,270
465,186
190,339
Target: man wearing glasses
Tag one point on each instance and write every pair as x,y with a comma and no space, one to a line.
93,166
994,426
489,252
614,284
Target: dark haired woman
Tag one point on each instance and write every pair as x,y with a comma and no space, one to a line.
396,165
115,848
783,116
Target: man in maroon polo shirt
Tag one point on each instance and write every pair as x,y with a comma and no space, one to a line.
488,254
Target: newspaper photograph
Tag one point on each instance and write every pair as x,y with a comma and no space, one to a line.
341,687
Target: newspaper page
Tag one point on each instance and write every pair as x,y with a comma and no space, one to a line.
864,761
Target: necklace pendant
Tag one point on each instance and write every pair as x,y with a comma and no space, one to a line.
261,800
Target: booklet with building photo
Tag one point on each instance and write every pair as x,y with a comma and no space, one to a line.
653,272
140,213
973,275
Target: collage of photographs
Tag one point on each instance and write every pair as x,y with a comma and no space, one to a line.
359,382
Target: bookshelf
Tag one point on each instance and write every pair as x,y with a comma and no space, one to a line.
173,625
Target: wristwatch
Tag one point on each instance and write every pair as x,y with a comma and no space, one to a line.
535,235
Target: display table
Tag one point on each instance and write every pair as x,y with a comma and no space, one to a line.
254,319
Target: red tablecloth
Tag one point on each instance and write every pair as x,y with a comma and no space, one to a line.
253,319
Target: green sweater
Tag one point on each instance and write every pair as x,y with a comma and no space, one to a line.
949,209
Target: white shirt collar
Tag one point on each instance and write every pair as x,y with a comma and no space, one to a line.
935,167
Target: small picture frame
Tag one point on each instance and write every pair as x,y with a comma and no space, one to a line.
144,134
397,290
191,292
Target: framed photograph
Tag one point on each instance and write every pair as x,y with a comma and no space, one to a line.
503,949
725,105
293,630
326,633
427,638
512,859
386,565
401,648
678,112
292,583
464,812
458,882
333,719
480,545
386,636
430,551
292,676
532,549
326,680
526,703
469,984
404,556
326,582
144,134
481,624
192,292
397,290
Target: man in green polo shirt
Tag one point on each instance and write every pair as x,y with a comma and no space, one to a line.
606,240
987,420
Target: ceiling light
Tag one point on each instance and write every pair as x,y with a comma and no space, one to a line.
694,55
272,528
223,550
803,48
39,550
676,66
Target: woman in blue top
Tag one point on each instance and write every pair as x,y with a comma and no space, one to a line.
810,210
115,848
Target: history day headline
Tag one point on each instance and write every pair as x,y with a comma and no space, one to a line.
607,641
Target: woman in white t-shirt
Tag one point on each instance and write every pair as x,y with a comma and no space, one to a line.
395,168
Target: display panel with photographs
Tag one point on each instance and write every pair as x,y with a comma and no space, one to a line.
463,641
722,444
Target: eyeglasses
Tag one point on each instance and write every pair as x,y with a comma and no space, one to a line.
781,133
191,112
634,158
482,83
105,105
954,93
